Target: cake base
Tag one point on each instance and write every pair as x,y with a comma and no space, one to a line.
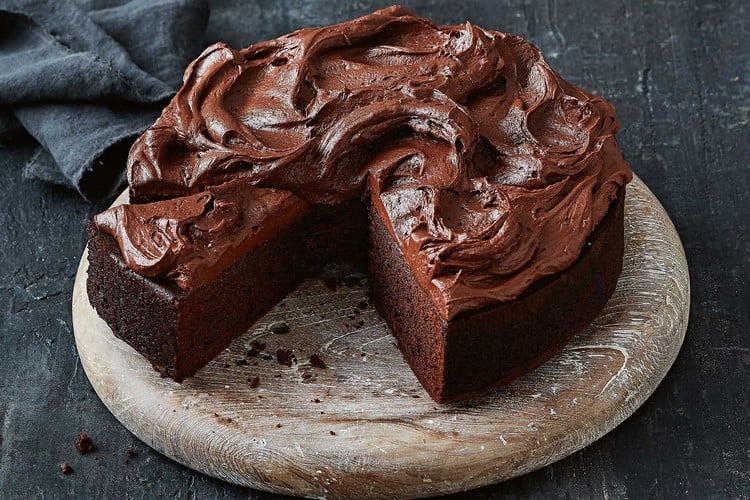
386,439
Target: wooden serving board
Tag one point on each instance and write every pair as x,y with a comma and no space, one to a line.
363,426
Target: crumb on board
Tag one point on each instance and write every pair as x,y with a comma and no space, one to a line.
285,357
279,327
317,361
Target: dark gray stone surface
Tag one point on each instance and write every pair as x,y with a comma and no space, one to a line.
679,74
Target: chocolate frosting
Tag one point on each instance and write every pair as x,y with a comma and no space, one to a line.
489,169
190,239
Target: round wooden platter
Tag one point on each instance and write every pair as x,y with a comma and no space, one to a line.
363,426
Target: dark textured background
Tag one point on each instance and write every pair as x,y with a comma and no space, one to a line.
679,75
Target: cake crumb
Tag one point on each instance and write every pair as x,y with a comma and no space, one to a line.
279,327
278,426
223,420
317,361
84,444
333,433
254,382
65,468
316,400
285,357
129,453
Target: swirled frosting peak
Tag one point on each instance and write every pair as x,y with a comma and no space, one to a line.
190,239
489,169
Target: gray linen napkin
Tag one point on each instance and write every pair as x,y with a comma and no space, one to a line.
84,78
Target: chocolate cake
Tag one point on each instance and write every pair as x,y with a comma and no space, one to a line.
484,192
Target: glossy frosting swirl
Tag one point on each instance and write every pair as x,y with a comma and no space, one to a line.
190,239
490,170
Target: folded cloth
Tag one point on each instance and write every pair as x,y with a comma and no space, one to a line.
85,77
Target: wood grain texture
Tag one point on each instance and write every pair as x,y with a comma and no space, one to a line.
363,425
